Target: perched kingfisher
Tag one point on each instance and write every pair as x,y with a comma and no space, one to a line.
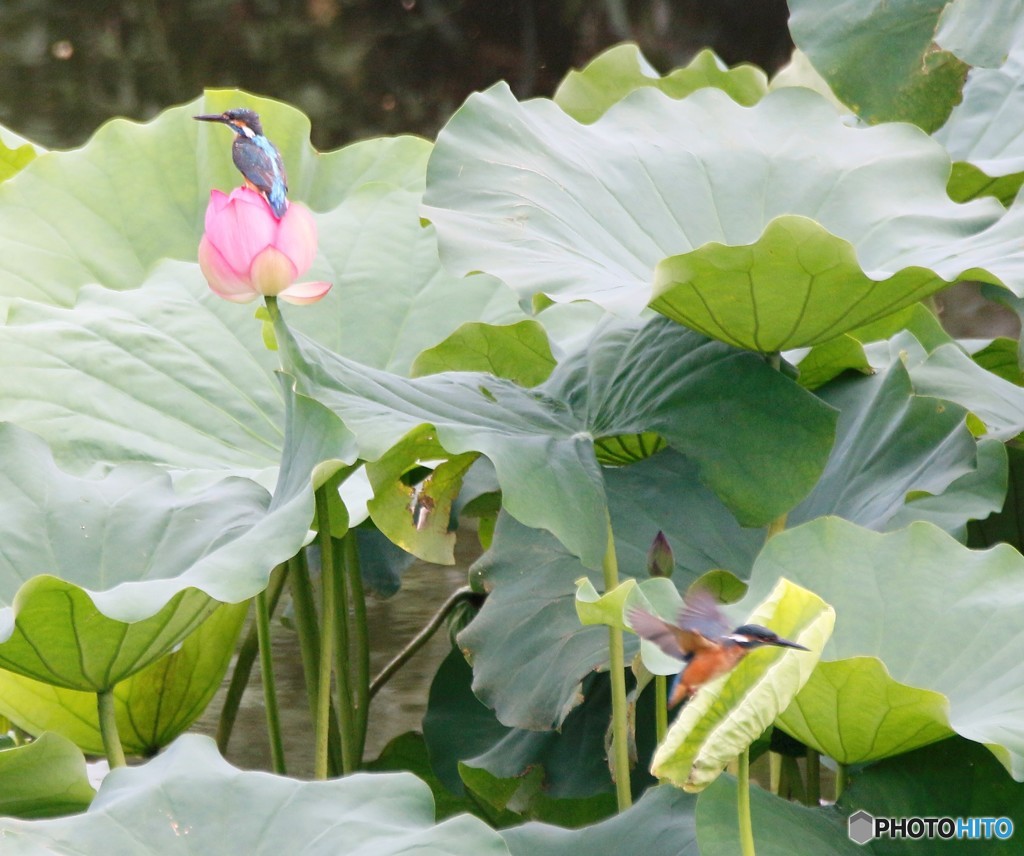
703,641
256,157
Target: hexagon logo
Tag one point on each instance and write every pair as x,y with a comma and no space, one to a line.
861,827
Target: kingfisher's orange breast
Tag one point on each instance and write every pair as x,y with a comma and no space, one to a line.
704,667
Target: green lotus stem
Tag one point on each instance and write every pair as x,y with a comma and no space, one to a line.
269,687
358,640
333,567
743,803
775,773
813,777
108,729
617,673
328,642
420,639
841,777
660,706
308,628
247,653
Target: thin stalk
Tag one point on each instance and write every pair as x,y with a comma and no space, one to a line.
775,773
813,777
307,625
841,776
328,640
358,640
108,729
351,757
743,804
617,673
660,706
247,653
269,687
420,639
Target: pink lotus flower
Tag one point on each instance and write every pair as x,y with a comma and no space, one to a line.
247,252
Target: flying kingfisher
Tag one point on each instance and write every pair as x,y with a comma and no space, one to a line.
256,157
703,641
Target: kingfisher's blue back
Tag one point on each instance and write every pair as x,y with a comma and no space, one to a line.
256,157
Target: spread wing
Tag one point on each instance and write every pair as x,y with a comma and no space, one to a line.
675,641
700,614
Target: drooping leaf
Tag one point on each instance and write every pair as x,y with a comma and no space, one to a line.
728,714
611,76
417,517
896,596
189,800
44,778
713,403
153,706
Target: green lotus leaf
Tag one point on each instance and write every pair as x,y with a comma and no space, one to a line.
713,403
881,58
1000,357
830,359
661,823
189,800
874,716
948,372
168,374
471,750
780,827
784,189
611,76
528,649
14,158
891,442
101,576
153,706
1005,526
955,778
896,596
417,517
730,713
595,608
798,285
520,352
44,778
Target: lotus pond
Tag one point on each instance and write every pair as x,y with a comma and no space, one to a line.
699,304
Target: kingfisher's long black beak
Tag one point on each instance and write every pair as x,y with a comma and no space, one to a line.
785,643
212,117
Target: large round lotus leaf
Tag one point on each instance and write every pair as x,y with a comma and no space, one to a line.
661,823
941,618
587,94
168,374
880,717
781,827
135,194
189,800
153,706
752,199
726,409
101,576
43,778
881,58
955,778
